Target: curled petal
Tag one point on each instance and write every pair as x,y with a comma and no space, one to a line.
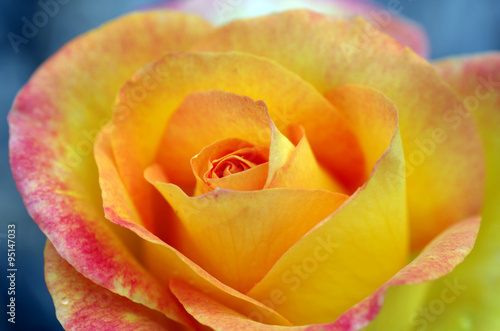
233,167
366,112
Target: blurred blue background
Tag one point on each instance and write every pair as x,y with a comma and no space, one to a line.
454,27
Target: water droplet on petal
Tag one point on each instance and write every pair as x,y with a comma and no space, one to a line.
64,301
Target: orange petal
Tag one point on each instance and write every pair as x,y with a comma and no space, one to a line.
353,251
289,100
72,94
438,259
238,235
201,119
83,305
162,260
342,52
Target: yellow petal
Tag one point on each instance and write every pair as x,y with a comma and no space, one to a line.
353,251
157,245
477,80
438,259
367,114
302,169
238,235
332,52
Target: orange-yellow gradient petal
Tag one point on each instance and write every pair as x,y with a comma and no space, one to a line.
162,260
53,123
352,252
289,100
330,52
83,305
238,235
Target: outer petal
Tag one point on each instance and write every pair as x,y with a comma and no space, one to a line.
477,307
353,52
385,19
53,123
352,252
83,305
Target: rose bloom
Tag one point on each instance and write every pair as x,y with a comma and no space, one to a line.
291,170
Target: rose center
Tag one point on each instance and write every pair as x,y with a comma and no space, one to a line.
232,163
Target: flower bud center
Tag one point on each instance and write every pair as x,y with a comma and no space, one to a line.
234,162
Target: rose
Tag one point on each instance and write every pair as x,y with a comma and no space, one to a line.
300,275
179,293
